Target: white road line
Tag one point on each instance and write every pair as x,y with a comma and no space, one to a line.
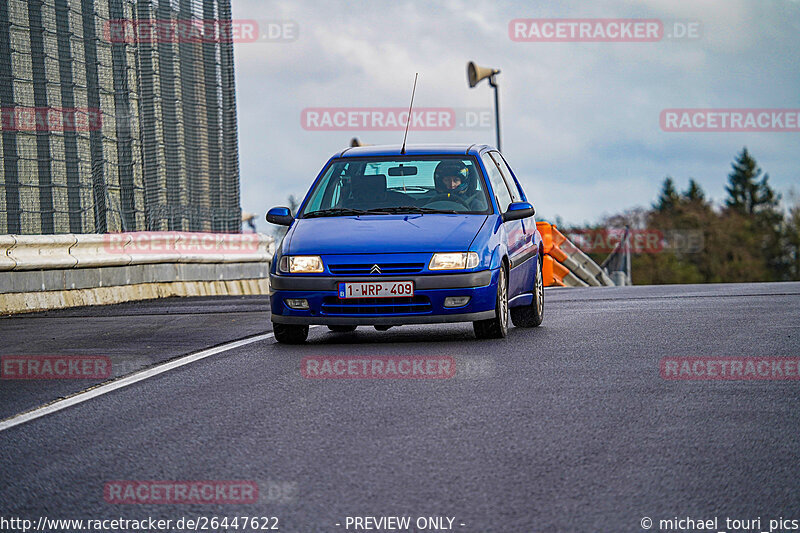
124,382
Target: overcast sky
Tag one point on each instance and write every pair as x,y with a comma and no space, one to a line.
580,120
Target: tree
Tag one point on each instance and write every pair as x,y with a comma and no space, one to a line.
747,193
748,239
694,194
668,198
750,194
793,242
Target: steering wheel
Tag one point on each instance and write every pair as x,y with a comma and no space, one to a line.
443,197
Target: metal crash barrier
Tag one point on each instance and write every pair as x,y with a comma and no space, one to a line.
43,252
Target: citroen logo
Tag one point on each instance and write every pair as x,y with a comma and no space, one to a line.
375,269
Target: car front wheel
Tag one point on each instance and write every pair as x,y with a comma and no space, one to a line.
497,327
290,333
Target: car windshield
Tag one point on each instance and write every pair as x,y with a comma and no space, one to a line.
390,185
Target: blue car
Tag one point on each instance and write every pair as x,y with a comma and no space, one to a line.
388,236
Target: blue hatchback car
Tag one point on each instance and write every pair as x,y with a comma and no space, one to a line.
387,236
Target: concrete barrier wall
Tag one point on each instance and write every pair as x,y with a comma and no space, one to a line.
6,243
53,271
24,302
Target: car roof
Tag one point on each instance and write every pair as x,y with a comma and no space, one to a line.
414,149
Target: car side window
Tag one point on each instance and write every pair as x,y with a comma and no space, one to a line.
498,183
512,185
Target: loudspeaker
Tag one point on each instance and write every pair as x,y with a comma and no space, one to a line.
475,73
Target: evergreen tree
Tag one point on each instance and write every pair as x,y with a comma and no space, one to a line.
694,194
668,198
793,242
749,192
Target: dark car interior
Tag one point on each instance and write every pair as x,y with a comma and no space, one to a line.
356,190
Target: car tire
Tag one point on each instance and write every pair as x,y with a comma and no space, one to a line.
342,329
530,316
497,327
290,333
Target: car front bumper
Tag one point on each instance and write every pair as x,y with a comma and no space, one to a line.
427,306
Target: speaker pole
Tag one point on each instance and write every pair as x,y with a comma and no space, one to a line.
475,74
496,111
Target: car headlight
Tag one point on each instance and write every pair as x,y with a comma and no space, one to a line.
301,264
453,261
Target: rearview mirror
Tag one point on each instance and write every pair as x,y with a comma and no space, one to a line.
518,210
403,171
281,216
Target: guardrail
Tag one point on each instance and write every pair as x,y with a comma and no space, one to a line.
52,271
37,252
565,265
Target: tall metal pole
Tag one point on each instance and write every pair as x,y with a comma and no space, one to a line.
496,111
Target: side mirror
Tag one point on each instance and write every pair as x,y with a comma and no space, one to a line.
280,216
518,210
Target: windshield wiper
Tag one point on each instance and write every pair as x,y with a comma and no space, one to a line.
412,209
335,212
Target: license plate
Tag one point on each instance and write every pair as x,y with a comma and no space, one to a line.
382,289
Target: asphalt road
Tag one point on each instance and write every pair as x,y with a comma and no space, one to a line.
133,335
567,427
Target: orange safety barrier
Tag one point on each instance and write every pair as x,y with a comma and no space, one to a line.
570,266
552,275
552,240
546,231
553,271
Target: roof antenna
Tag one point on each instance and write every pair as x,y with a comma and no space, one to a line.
408,121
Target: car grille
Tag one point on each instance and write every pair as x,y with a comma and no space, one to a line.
386,268
331,305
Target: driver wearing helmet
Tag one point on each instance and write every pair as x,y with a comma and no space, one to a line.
453,180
